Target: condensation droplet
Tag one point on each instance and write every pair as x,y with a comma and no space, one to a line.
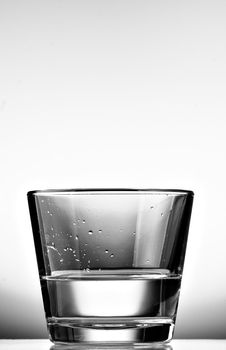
90,232
106,251
112,255
83,221
52,247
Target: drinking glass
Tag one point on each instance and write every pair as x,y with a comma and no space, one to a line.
110,262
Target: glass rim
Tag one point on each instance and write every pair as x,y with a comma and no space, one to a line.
102,191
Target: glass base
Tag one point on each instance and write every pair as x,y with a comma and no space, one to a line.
111,331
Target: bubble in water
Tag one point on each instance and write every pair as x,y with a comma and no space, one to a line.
74,223
151,207
86,244
70,249
112,255
83,221
87,269
147,260
134,233
50,214
90,232
100,231
76,237
106,251
77,260
42,201
53,244
78,220
61,260
51,228
161,214
65,249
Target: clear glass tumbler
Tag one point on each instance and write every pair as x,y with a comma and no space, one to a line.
110,262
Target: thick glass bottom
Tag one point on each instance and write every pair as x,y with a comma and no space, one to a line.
110,330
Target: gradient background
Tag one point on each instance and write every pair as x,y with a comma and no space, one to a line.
119,93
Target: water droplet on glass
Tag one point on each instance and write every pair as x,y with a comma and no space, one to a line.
90,232
151,207
112,255
106,251
100,231
83,221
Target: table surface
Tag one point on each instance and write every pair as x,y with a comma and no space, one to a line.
177,344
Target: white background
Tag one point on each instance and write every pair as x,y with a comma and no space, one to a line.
113,93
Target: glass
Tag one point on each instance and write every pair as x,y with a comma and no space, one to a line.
110,262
